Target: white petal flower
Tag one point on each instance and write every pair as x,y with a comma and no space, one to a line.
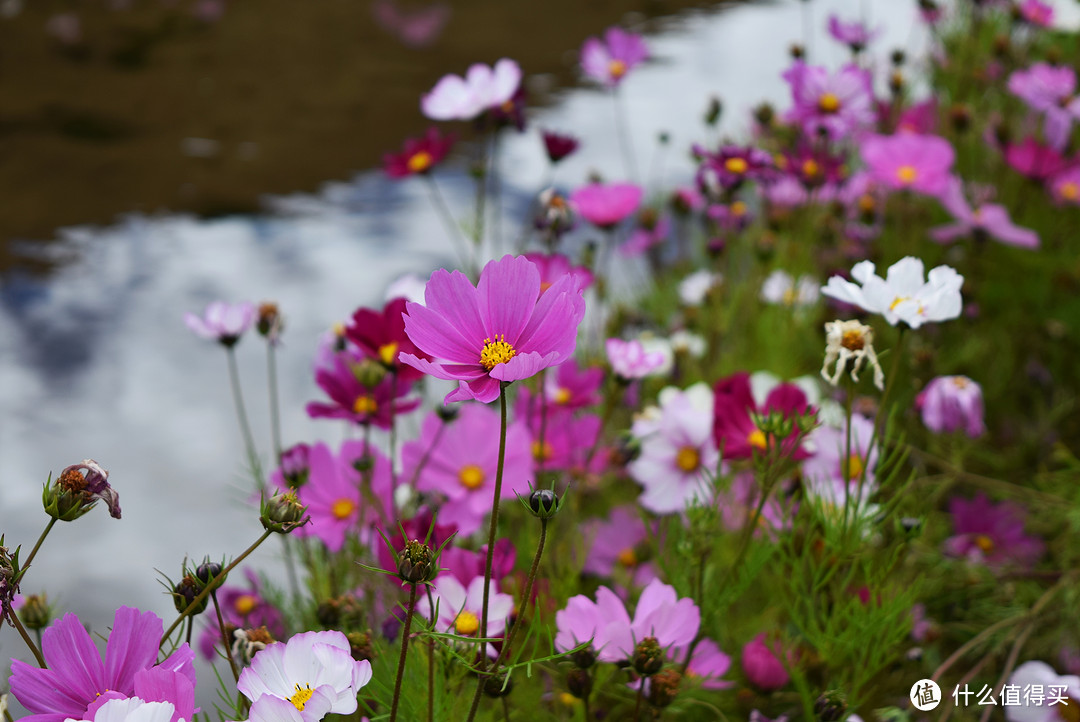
850,341
904,294
132,709
1047,706
694,288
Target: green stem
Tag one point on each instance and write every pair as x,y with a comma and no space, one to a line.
528,593
879,419
214,584
461,244
224,637
242,417
404,653
431,663
492,529
15,622
275,412
33,552
637,704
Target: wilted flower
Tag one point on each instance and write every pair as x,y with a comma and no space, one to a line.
223,322
482,88
991,534
952,403
608,61
606,204
419,155
77,489
904,295
850,341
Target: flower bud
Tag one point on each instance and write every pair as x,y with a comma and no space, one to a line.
544,503
713,111
184,593
360,646
584,658
35,612
416,563
369,372
498,685
208,571
830,706
283,512
664,687
9,587
648,658
762,666
269,322
579,683
447,413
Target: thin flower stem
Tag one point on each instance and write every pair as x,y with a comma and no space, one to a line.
404,652
506,709
214,584
33,552
585,708
190,629
431,663
637,704
224,637
492,529
625,144
275,412
393,428
242,417
427,455
879,419
15,622
461,244
526,596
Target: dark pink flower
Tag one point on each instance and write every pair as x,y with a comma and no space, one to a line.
731,166
419,155
608,61
353,401
734,430
559,146
917,118
1036,160
381,336
991,534
831,104
553,266
952,403
762,666
1037,13
606,204
984,220
908,161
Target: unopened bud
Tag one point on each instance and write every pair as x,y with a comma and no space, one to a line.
370,373
664,687
35,612
283,512
184,593
269,323
648,657
360,645
579,683
831,706
416,563
208,571
498,685
584,658
544,503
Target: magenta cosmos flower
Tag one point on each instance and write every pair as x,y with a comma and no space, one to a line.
981,221
608,61
991,534
734,430
1037,13
502,330
909,161
606,204
952,403
854,34
1049,90
353,401
459,461
223,322
554,266
77,680
1035,160
419,155
833,104
482,88
558,146
762,665
334,498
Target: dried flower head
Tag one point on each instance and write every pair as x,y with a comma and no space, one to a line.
850,341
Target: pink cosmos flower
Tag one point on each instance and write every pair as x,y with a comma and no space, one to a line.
616,544
1049,90
734,430
608,61
991,534
459,460
828,467
726,169
1037,13
466,565
223,322
353,401
762,665
606,204
650,232
77,683
909,161
952,403
833,104
419,155
629,360
567,438
553,266
461,607
1065,186
333,494
559,146
243,608
738,506
482,88
917,118
1035,160
707,665
502,330
572,387
985,219
854,34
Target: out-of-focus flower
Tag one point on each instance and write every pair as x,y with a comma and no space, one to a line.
651,231
905,294
354,400
991,534
1035,160
309,664
500,331
731,166
606,204
696,286
466,565
608,61
459,462
854,34
1037,13
616,544
567,438
678,457
1065,187
243,608
734,429
909,161
629,360
553,266
334,493
782,289
76,680
572,387
850,341
415,27
985,219
559,146
952,403
1049,90
483,87
409,286
381,336
419,155
461,607
223,322
707,665
838,477
1039,685
131,709
830,104
762,666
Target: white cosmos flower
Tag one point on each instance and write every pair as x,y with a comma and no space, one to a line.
694,288
482,88
1048,705
132,709
780,287
904,294
461,608
308,669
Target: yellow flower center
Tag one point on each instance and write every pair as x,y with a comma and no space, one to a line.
1069,191
388,353
688,459
810,168
757,439
617,68
897,301
342,508
854,340
960,382
627,557
562,395
466,624
569,700
738,209
496,352
738,166
542,452
854,467
544,285
303,694
420,162
985,543
471,476
867,204
906,174
1070,711
828,103
245,604
788,298
365,405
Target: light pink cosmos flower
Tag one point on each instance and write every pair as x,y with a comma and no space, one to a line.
1049,90
583,620
836,104
952,403
553,266
909,161
460,463
629,359
461,607
985,219
608,61
606,204
482,88
502,330
616,543
854,34
1037,13
333,496
1065,186
223,322
1039,686
991,534
905,294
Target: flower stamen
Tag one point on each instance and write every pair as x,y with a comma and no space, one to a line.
496,352
303,694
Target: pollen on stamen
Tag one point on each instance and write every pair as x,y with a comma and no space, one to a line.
496,352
